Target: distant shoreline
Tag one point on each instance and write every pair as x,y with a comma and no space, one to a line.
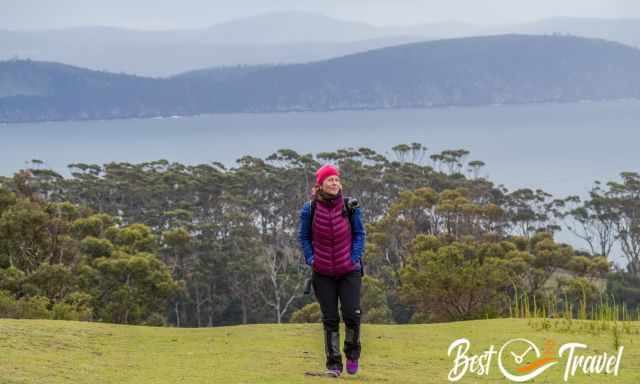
334,110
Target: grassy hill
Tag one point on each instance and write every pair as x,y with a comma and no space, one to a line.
44,351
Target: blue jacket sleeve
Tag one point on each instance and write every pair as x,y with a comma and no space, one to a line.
358,236
304,233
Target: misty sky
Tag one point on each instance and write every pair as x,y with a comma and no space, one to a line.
168,14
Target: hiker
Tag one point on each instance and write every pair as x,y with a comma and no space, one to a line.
332,238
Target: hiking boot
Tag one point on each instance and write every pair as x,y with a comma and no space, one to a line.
332,351
352,366
335,372
352,349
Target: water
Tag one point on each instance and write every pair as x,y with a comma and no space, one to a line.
561,148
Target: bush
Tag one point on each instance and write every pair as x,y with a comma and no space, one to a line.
374,303
66,311
378,315
8,305
26,308
34,308
420,318
155,319
454,283
310,313
11,279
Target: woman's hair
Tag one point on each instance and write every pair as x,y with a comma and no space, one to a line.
314,191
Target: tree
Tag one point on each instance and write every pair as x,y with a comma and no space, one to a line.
176,251
374,303
530,211
227,235
65,261
474,168
595,221
450,282
129,289
243,252
625,203
24,240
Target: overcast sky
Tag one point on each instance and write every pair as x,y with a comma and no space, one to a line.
168,14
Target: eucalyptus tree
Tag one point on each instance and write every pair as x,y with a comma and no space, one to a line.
594,221
625,202
474,168
451,159
268,194
530,211
71,258
228,235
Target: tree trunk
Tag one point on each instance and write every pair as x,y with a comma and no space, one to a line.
210,301
243,304
198,305
177,310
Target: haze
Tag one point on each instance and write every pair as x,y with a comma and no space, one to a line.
189,14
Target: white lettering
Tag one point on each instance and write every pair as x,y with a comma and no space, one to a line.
460,361
589,364
571,347
463,363
480,364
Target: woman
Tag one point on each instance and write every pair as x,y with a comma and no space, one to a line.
332,238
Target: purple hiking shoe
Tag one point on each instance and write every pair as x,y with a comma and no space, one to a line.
352,366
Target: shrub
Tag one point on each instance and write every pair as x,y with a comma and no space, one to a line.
374,303
8,305
155,319
420,318
310,313
33,308
66,311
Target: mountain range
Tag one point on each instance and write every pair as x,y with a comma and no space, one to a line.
275,38
501,69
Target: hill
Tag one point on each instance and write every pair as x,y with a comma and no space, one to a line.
504,69
263,39
626,31
78,352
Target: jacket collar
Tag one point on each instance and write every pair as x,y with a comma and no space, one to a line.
327,199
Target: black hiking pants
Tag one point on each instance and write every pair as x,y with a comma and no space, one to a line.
346,290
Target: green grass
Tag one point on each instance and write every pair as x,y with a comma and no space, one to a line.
46,351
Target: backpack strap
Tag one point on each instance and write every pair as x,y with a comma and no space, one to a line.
350,205
313,209
345,208
311,213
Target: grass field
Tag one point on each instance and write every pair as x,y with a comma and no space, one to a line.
45,351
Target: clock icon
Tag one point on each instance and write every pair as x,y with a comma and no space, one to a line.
520,360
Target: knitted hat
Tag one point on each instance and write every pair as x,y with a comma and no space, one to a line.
324,172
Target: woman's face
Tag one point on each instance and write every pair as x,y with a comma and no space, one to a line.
331,185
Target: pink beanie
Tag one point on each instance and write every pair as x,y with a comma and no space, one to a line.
324,172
